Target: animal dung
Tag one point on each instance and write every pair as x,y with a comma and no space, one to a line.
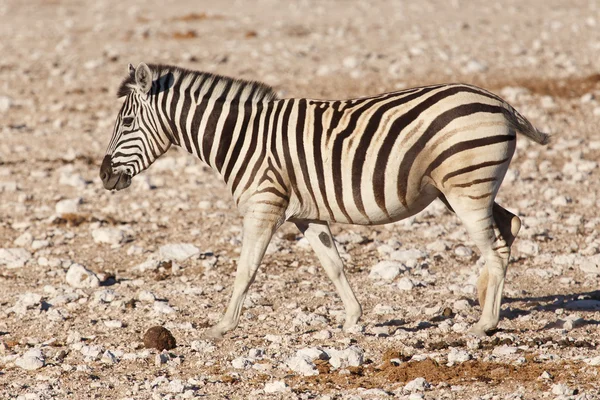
159,338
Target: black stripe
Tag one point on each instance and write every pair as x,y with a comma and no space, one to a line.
475,182
303,132
275,132
263,145
250,151
464,146
165,106
472,168
198,114
289,165
208,136
185,110
239,144
319,165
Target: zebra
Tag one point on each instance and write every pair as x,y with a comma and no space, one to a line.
370,160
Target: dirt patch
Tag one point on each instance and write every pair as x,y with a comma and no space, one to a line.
567,88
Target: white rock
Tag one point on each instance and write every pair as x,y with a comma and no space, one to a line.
108,235
474,66
14,258
105,295
80,277
546,375
302,365
109,358
24,240
256,354
457,356
410,258
72,179
145,295
68,206
461,305
589,265
161,358
31,360
176,386
39,244
5,103
91,352
29,300
241,363
350,357
386,270
276,387
562,389
406,284
593,361
322,335
417,385
504,350
463,251
163,307
178,251
528,247
572,322
113,323
313,353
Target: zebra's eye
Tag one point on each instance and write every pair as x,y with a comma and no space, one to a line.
127,120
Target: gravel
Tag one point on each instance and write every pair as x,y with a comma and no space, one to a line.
80,277
32,360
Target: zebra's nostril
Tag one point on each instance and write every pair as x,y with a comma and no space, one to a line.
103,176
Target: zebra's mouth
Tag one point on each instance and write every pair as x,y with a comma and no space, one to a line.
117,181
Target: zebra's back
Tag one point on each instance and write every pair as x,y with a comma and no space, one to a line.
383,158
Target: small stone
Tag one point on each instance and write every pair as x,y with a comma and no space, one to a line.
588,265
463,251
14,258
276,387
595,361
39,244
31,360
405,284
417,385
68,206
5,103
386,270
176,386
562,389
159,338
145,295
108,358
178,251
457,356
504,350
161,358
322,335
528,247
461,305
408,257
546,375
241,363
92,352
24,240
302,365
475,66
108,235
80,277
163,307
113,323
572,322
105,296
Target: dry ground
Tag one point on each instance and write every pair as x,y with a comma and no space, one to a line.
60,65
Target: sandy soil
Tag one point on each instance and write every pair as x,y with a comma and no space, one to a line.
61,62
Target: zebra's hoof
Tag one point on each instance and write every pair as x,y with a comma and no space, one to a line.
213,333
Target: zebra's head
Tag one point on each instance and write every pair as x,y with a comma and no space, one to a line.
138,138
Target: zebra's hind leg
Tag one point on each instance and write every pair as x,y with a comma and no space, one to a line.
319,236
509,226
477,214
259,225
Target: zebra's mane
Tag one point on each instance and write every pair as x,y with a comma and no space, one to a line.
246,90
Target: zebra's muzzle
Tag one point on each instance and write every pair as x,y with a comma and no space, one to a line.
113,181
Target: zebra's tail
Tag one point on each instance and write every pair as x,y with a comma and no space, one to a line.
522,125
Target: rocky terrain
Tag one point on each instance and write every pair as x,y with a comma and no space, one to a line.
84,273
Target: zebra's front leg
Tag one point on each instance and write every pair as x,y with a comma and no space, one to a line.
259,226
319,236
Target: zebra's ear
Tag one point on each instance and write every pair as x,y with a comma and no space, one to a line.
131,70
143,78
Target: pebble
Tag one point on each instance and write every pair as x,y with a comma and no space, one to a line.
80,277
474,66
588,265
108,235
14,257
68,206
408,257
528,247
91,352
302,365
108,358
504,350
386,270
593,361
163,307
461,305
145,295
417,385
463,251
457,356
276,387
24,240
5,103
562,389
176,386
33,359
406,284
351,357
241,363
178,251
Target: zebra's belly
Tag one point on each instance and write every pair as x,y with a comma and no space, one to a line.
371,215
